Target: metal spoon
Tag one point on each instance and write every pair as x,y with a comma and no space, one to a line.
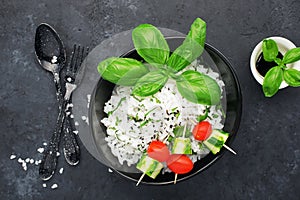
50,52
51,55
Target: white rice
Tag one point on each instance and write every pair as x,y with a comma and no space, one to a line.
133,122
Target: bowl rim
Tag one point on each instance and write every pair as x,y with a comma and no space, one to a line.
229,141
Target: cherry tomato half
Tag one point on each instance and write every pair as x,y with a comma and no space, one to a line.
180,164
158,151
202,130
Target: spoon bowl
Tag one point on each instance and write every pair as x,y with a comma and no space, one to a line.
49,49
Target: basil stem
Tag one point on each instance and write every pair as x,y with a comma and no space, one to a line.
122,71
270,50
291,56
118,105
191,48
292,77
150,83
198,88
203,117
278,61
272,81
150,44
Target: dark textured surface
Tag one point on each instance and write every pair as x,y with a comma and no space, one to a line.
267,164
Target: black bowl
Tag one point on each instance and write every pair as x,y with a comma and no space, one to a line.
102,94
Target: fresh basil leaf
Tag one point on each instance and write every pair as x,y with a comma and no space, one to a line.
122,71
150,83
191,48
199,88
292,77
150,44
272,81
291,56
198,31
185,54
270,50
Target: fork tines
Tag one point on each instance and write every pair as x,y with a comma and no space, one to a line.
77,56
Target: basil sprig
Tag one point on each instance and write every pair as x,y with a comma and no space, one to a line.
151,45
277,74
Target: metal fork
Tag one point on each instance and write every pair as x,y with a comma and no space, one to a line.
49,160
70,145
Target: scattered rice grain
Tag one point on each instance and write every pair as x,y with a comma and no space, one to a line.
54,186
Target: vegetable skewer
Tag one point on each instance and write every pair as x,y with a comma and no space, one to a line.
213,139
178,162
151,164
182,148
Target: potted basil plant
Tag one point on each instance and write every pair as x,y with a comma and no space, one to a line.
275,63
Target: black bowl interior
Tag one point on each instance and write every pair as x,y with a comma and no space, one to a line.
103,91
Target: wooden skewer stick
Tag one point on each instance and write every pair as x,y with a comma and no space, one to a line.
166,139
175,180
141,178
193,121
184,130
229,149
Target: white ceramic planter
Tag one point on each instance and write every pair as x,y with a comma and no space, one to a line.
283,46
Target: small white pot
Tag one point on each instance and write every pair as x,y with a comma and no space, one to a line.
283,46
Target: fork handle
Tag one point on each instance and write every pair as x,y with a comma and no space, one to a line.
71,148
49,160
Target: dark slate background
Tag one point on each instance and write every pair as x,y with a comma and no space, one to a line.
267,164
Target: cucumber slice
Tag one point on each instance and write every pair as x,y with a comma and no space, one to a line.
216,141
182,146
149,166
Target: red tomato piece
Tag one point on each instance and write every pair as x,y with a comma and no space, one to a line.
158,151
180,164
202,130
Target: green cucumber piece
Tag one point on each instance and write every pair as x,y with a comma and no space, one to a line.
216,141
182,146
149,166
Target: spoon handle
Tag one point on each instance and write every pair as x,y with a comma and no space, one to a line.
59,95
49,161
